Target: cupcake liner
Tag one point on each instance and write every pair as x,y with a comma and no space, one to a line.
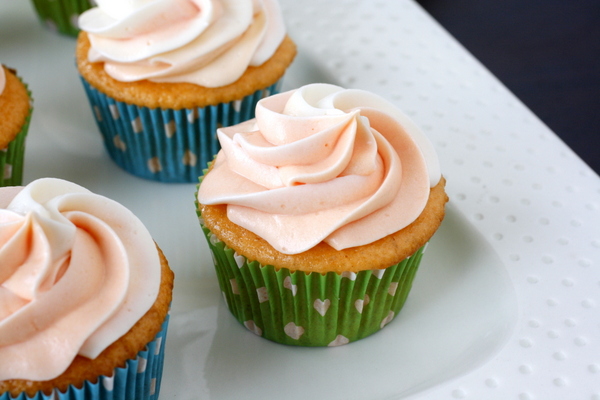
138,380
310,309
61,15
12,157
164,144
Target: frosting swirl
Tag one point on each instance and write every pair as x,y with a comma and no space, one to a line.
322,163
78,270
207,42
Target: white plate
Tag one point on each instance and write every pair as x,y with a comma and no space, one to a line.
459,314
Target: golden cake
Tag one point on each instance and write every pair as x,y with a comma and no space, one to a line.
98,305
160,91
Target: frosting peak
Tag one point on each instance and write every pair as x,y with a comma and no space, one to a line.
207,42
322,164
78,270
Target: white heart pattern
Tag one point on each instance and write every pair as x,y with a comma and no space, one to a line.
213,238
108,382
137,125
234,286
237,105
339,341
350,275
251,326
392,289
378,273
287,283
239,259
119,143
114,111
154,165
192,116
387,319
142,362
360,303
225,299
170,129
263,294
294,331
98,113
7,171
189,158
322,306
158,344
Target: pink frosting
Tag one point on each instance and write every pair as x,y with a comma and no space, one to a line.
78,270
322,163
207,42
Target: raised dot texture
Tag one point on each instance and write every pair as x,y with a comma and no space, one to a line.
491,383
553,334
560,382
525,369
559,356
525,343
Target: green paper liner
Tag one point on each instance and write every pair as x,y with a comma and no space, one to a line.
12,157
310,309
61,15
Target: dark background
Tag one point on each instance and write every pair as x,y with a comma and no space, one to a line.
547,52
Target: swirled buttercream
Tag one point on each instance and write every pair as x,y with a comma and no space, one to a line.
207,42
322,163
77,271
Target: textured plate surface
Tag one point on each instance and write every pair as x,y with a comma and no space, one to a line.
459,314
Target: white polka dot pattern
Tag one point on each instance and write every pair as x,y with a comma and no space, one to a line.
531,197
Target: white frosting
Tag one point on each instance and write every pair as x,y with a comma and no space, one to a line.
207,42
322,163
78,270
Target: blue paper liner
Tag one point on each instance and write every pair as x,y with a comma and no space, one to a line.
163,144
139,380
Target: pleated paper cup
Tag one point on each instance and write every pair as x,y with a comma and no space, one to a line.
12,157
166,145
310,309
139,379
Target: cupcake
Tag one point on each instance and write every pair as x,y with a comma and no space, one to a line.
15,113
61,15
317,214
84,297
160,90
